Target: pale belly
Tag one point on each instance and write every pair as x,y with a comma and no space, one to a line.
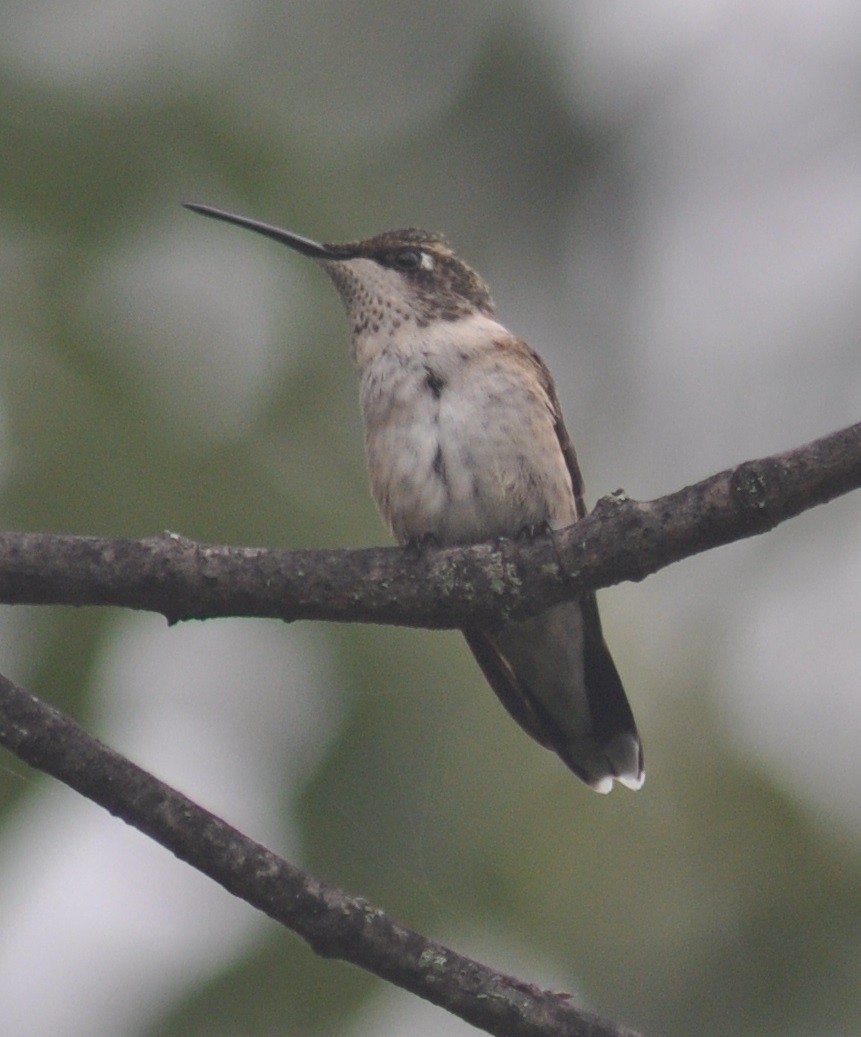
469,463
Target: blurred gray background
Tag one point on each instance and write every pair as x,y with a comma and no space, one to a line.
666,201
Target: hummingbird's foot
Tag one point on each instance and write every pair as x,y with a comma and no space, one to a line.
417,547
530,532
610,501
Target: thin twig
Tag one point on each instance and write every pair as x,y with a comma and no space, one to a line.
335,924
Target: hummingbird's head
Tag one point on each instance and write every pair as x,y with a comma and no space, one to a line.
410,274
399,277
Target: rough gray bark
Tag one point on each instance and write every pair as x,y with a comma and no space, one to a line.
335,924
621,540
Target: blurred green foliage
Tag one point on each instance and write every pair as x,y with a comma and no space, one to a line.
708,903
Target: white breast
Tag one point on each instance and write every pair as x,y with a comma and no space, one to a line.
460,441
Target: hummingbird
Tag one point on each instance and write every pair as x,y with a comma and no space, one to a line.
465,443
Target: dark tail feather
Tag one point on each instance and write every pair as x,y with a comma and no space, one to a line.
556,677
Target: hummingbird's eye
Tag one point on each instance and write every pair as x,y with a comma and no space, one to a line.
408,259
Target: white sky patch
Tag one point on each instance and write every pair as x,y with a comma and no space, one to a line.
741,218
791,688
207,708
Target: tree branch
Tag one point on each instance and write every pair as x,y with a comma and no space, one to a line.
335,924
621,539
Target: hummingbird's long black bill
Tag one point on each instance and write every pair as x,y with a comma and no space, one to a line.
306,246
